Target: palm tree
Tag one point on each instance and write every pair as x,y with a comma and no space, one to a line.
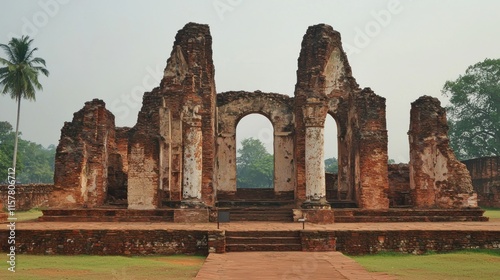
19,77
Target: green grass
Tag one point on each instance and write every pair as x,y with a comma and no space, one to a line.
492,213
469,264
30,215
104,267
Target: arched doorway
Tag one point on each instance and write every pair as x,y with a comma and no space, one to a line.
331,159
338,192
254,153
275,133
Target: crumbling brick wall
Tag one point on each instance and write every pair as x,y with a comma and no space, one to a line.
325,85
485,174
399,185
28,196
172,115
437,178
370,150
82,158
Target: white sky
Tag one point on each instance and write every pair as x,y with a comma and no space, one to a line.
116,49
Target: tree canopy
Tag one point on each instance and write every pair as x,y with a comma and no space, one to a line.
474,113
331,165
254,165
35,163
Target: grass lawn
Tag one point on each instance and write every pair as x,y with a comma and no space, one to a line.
492,213
470,264
104,267
32,214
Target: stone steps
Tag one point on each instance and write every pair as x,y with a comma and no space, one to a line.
241,241
335,204
255,203
259,214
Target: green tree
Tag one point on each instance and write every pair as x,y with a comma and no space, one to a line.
254,165
7,146
331,165
35,164
19,77
474,113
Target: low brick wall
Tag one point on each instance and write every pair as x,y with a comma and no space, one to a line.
28,196
166,242
414,241
108,242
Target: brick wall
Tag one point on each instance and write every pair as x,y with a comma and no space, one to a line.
399,185
29,196
165,242
108,242
485,174
437,178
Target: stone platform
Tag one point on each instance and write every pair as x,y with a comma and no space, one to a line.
267,213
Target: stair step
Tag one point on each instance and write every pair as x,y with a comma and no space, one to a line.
262,240
263,247
259,234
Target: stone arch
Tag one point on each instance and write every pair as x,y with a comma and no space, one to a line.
231,108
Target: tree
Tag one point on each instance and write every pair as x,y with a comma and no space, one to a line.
20,77
254,165
7,146
35,164
474,113
331,165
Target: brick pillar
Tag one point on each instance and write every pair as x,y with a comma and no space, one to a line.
314,119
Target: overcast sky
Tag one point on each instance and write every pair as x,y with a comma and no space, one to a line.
116,49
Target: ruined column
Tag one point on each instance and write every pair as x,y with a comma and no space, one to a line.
324,74
370,152
437,178
314,119
192,167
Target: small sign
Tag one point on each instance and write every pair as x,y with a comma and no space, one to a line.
222,217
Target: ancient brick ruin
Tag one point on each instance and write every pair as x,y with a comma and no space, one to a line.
182,151
485,174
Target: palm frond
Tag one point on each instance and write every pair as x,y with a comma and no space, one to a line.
20,77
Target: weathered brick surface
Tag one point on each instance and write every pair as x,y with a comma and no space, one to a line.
413,241
372,185
485,174
108,242
216,241
156,151
399,185
165,242
318,241
83,156
437,178
28,196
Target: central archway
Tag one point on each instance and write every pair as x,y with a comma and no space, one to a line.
274,108
254,153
